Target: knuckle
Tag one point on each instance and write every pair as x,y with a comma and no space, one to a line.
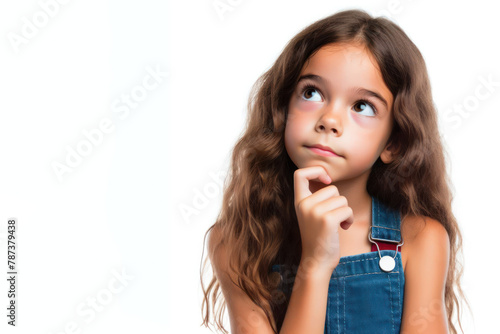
315,212
326,217
302,205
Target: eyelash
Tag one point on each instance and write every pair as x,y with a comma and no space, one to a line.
312,86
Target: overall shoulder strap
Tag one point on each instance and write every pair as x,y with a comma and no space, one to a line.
386,223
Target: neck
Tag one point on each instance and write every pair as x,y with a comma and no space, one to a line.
357,197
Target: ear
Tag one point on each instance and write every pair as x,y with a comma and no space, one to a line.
389,153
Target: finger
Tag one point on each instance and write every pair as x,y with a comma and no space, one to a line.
326,193
344,214
301,181
329,204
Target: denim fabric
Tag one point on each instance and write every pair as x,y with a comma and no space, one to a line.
362,298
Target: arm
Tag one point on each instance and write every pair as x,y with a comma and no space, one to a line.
426,270
306,311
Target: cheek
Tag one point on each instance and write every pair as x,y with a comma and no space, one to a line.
365,147
365,121
292,124
294,131
308,106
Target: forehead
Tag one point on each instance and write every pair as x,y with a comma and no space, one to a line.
348,53
347,65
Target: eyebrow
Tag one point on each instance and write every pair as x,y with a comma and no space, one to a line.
357,90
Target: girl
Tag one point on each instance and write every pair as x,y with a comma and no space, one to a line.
337,215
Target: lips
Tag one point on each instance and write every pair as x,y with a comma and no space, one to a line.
324,148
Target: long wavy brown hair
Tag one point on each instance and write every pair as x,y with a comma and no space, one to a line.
257,221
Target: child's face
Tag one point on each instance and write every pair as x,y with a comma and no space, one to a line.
333,115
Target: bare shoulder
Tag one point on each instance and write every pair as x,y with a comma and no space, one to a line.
422,234
244,315
219,258
419,231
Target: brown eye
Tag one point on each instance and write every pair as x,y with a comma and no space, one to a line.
362,106
311,92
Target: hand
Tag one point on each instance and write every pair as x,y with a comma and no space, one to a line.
320,210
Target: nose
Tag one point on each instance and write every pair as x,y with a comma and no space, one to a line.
330,121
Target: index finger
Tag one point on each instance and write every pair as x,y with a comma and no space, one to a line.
301,179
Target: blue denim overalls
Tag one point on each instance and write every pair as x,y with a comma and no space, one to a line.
363,298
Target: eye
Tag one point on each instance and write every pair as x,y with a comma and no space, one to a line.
311,92
365,106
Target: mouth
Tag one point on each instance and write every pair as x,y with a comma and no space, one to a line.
323,150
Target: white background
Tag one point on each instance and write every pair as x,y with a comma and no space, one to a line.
120,208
